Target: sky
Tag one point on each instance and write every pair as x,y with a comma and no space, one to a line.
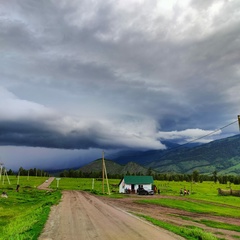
80,77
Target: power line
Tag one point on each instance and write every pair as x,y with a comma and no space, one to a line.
194,140
211,133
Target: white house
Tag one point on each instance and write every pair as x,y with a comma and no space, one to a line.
132,183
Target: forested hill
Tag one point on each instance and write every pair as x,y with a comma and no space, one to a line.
113,168
221,155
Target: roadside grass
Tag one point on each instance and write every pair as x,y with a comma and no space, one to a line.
213,224
195,207
188,232
221,225
24,213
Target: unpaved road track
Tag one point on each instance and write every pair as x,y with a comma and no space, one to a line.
46,184
81,215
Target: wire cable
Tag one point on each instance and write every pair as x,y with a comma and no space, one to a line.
211,133
194,140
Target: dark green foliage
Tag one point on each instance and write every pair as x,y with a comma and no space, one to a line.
29,172
114,170
220,155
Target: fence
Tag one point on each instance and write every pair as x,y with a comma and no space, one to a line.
229,192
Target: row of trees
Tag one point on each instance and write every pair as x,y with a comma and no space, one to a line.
195,176
28,172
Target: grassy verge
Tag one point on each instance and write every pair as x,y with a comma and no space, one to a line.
213,224
196,207
190,232
220,225
23,214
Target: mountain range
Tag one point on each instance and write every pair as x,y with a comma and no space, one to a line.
221,155
114,168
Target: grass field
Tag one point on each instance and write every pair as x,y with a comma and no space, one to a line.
23,213
86,184
208,207
204,199
206,191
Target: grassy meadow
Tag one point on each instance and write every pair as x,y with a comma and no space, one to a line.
203,199
24,213
86,184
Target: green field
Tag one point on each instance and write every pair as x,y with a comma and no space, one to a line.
24,213
86,184
203,199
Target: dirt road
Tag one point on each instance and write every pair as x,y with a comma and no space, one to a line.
81,215
46,184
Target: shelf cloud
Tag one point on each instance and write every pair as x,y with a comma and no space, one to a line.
116,75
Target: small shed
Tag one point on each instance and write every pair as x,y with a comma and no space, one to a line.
130,184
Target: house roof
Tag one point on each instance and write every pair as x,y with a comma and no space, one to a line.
138,179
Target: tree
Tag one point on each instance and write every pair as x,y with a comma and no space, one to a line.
215,176
195,176
149,171
10,172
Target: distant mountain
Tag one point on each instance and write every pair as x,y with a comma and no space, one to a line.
114,168
222,155
144,158
122,157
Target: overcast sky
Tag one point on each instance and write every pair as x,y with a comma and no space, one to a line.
77,77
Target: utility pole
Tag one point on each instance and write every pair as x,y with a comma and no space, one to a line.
5,174
1,168
103,170
104,174
18,177
239,121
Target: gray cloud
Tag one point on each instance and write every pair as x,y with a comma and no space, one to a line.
25,123
117,74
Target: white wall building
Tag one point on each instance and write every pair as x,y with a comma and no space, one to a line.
132,183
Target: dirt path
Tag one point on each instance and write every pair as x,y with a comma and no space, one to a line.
46,184
81,215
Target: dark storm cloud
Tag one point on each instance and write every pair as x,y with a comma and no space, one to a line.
35,135
30,124
130,72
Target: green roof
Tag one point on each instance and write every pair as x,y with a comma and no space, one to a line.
138,179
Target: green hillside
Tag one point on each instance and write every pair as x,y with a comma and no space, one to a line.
220,155
114,168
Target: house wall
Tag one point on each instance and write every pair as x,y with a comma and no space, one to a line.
123,186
